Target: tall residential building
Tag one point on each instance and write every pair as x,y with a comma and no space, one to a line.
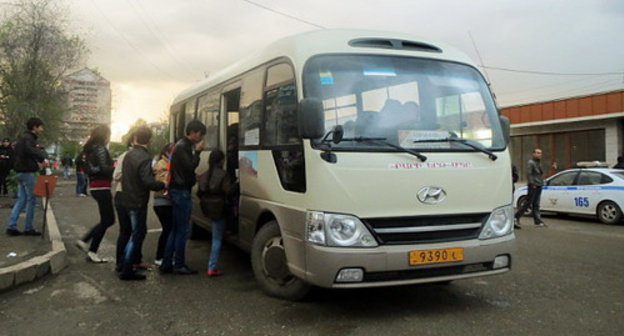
89,104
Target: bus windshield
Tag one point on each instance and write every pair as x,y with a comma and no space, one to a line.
409,102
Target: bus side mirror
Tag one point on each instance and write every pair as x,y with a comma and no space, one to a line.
311,118
506,127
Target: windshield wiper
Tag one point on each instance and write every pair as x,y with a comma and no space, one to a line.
383,141
464,142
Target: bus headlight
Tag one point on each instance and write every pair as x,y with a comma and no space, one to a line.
499,223
337,230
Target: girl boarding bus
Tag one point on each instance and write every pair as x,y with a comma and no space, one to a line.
365,159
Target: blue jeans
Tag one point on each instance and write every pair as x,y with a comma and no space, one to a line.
180,228
25,199
218,226
81,185
132,252
66,172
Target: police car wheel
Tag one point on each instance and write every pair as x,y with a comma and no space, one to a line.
270,268
609,213
521,202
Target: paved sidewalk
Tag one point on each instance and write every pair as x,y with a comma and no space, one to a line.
14,250
27,258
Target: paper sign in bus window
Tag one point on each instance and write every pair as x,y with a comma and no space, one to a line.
252,137
407,138
382,71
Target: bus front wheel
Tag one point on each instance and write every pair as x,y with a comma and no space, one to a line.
268,260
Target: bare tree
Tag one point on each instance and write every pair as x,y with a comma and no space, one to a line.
36,51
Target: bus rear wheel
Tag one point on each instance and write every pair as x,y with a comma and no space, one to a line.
268,260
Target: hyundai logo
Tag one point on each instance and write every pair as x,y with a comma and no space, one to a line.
431,195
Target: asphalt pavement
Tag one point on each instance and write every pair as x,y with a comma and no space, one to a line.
566,280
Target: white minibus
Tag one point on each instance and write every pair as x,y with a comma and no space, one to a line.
365,158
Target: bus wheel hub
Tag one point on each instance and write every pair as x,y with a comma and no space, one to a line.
275,261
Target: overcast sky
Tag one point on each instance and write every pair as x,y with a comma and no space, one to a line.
152,49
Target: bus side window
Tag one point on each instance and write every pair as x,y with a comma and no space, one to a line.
208,113
281,133
250,111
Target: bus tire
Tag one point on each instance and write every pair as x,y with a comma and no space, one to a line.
268,260
609,213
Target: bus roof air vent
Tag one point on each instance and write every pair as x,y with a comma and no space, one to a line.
393,44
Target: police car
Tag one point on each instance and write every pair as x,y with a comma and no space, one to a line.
586,191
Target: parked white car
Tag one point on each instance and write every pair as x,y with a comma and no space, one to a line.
587,191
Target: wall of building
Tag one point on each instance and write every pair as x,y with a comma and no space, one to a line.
89,104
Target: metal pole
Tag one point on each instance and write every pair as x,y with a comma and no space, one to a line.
45,209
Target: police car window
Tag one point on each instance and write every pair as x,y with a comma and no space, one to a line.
563,179
605,179
591,178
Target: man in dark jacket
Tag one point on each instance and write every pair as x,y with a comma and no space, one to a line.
620,163
137,179
184,160
6,164
535,182
29,158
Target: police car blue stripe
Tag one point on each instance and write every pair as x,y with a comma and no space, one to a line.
578,188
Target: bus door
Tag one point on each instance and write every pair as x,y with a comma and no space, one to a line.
230,102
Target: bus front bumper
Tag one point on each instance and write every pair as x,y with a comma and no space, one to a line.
388,265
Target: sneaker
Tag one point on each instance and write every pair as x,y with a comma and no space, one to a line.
82,245
13,232
83,195
541,224
94,258
184,271
32,233
132,277
517,227
214,273
158,262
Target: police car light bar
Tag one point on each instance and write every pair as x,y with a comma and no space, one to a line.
591,164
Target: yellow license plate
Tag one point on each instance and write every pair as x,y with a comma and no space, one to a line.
437,256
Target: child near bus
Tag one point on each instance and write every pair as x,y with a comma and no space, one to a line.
214,189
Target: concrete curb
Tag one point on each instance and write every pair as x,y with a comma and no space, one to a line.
37,267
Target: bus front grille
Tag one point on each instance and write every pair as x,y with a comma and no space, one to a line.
426,229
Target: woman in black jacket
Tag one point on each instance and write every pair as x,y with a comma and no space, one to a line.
99,167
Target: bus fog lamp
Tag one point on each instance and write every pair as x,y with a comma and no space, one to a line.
501,261
350,275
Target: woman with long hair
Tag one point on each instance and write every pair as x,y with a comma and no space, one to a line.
162,202
99,167
214,189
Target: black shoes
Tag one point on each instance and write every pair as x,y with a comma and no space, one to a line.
179,271
184,271
13,232
132,277
540,223
32,233
165,270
